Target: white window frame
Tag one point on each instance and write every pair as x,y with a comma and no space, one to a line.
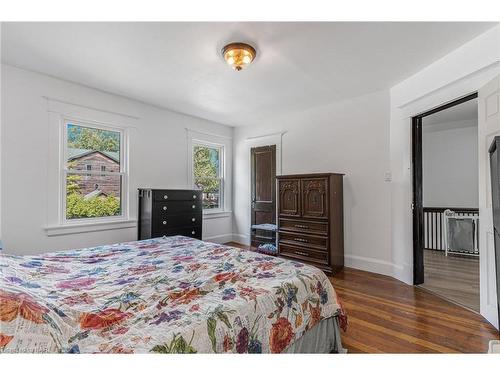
222,175
64,171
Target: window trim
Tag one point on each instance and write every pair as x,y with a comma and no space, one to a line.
222,175
63,172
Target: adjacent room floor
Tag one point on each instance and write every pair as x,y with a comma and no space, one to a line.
388,316
455,278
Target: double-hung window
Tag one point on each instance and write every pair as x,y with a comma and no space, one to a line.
208,174
93,172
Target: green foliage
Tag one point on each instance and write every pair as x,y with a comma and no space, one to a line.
79,207
93,139
72,180
206,164
72,186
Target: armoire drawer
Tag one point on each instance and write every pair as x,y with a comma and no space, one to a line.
177,220
176,207
305,240
176,195
312,227
302,253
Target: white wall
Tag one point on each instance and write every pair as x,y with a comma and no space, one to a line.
158,158
350,137
450,166
457,74
1,149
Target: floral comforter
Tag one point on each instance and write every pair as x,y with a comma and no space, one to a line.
165,295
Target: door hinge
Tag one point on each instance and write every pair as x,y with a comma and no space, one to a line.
413,206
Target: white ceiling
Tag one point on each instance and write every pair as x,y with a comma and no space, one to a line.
179,65
460,116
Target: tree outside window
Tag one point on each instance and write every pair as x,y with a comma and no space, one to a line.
207,174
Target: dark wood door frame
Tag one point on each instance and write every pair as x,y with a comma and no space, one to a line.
417,185
418,202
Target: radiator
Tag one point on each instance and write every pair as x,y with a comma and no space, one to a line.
461,234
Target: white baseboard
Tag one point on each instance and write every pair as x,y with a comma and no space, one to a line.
404,273
490,312
243,239
221,238
370,264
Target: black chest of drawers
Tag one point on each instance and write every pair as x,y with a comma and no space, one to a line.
170,213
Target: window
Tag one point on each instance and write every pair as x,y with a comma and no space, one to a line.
208,174
93,172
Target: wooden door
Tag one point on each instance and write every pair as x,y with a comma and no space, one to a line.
289,197
488,128
263,209
314,198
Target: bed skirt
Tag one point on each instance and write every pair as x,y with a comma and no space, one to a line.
323,338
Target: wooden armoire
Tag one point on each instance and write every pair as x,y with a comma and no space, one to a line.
311,219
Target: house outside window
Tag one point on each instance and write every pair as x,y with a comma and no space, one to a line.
208,174
93,172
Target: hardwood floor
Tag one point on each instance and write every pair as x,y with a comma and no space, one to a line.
388,316
454,278
241,246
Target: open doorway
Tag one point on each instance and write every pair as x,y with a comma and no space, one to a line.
446,206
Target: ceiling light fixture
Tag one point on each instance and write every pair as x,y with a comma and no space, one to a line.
238,55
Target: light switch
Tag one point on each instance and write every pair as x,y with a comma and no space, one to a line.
387,176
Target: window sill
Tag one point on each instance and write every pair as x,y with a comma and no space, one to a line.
61,230
216,214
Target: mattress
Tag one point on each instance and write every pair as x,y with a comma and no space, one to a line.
165,295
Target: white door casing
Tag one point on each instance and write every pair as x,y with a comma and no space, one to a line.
488,128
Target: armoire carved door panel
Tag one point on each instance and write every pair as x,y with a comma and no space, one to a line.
289,203
314,198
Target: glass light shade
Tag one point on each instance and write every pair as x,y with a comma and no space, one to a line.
238,55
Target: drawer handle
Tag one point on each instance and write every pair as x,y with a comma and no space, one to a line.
300,240
165,197
164,222
194,196
164,208
193,219
301,226
193,232
193,206
301,253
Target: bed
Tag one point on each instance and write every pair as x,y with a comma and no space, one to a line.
166,295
